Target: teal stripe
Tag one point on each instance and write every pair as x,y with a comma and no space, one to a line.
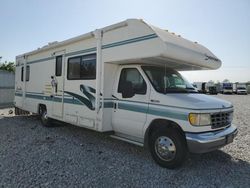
132,107
111,45
121,105
153,111
55,99
39,93
81,52
138,39
7,87
41,97
18,94
109,104
168,113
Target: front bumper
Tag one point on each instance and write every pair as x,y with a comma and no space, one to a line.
241,92
209,141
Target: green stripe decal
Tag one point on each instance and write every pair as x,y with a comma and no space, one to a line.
137,39
168,113
138,107
93,49
133,107
81,52
18,94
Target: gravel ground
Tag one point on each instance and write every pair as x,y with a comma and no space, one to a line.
69,156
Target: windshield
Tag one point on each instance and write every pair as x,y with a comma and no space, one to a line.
166,80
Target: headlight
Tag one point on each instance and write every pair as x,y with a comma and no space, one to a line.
199,119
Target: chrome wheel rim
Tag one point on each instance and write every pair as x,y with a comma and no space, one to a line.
165,148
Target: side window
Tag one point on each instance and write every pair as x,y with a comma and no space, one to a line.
27,73
22,74
82,67
74,68
58,66
132,75
88,67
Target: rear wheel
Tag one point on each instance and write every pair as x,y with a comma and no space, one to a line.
168,148
46,121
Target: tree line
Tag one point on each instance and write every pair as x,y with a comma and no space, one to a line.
8,66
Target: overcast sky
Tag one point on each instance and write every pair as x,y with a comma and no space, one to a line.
223,26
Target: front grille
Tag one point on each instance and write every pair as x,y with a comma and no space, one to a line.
221,119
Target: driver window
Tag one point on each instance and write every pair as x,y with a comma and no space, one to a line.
132,75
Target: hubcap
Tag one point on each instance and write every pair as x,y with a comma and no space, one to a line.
165,148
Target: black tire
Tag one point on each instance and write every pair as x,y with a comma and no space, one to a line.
45,120
176,142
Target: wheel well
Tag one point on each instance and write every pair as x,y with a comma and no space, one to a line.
42,106
161,124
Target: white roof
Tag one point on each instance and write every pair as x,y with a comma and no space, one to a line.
170,50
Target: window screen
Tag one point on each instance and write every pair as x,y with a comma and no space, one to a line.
82,67
133,75
58,65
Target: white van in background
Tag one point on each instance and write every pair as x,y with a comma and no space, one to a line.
123,80
241,89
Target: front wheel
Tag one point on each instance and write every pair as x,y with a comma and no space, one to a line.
168,148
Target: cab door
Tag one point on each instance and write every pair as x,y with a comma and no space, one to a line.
57,83
130,109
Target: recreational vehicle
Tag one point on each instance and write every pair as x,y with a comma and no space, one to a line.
200,86
227,88
123,80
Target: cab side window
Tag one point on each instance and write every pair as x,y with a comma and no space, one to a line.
132,75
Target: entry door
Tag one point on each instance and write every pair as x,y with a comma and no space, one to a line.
129,114
57,83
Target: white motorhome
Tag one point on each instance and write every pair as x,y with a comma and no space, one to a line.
123,80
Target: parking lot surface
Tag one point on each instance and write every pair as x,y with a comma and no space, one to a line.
68,156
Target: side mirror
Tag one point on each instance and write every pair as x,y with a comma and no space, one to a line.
127,90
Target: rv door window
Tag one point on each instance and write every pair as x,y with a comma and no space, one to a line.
59,65
22,74
27,76
27,73
132,75
82,67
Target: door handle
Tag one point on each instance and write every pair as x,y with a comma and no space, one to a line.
155,101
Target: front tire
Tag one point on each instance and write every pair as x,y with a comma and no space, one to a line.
168,148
